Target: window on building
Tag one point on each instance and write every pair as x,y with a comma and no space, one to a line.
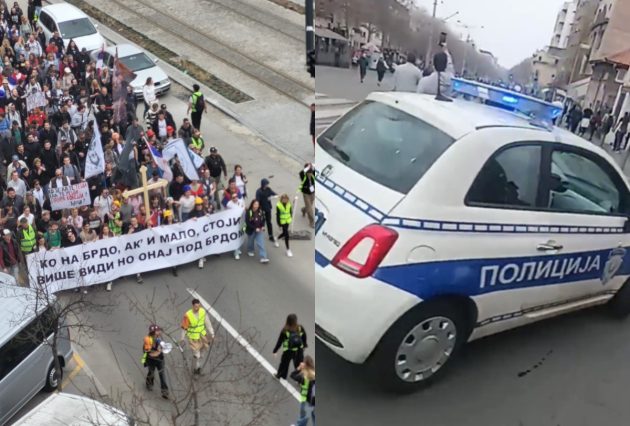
621,74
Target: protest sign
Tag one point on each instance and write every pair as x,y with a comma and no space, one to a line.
35,100
67,197
149,250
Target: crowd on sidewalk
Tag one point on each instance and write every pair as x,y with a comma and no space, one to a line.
46,147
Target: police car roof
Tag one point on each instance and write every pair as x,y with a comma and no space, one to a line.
456,118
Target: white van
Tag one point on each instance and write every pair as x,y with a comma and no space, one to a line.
26,360
72,24
63,409
443,222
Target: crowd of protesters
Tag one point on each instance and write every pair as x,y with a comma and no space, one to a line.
46,147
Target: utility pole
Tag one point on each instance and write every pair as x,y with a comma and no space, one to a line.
310,36
430,46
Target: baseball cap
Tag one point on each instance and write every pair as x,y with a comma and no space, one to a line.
213,150
186,188
67,70
167,213
6,232
15,158
150,133
198,200
170,129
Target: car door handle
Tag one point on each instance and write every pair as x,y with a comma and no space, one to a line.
550,246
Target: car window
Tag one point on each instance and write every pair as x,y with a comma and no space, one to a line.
384,144
46,21
137,62
581,185
76,28
510,178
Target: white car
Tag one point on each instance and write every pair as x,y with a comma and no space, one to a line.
443,222
72,24
62,409
140,63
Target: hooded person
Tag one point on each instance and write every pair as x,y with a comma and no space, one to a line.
263,195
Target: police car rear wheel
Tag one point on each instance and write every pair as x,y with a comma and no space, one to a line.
418,347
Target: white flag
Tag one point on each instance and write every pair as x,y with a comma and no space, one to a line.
196,158
178,147
95,161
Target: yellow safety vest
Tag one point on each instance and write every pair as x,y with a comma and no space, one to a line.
116,230
196,326
285,213
197,143
27,244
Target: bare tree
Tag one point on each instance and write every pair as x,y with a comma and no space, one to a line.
231,382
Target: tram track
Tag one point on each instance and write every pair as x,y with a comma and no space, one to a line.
260,16
211,46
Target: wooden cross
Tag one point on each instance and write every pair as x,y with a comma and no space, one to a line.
145,188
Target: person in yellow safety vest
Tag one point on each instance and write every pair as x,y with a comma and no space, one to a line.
197,143
195,328
307,188
292,339
284,216
305,376
26,237
154,358
115,219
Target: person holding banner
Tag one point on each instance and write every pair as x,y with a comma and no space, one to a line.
235,203
105,234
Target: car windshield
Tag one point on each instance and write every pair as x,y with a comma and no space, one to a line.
137,62
385,144
76,28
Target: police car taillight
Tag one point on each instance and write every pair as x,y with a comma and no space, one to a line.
364,252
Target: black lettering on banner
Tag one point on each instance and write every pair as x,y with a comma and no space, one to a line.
66,260
136,244
191,233
150,240
220,223
142,256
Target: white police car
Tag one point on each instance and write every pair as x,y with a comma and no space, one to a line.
443,222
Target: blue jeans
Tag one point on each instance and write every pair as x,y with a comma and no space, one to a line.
306,411
259,239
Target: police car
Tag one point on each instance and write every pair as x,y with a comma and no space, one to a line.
443,222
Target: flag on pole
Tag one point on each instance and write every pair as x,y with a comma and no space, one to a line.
95,160
177,147
121,79
162,163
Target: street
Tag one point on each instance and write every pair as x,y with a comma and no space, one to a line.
252,298
567,371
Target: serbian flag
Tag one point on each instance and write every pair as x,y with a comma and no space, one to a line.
165,170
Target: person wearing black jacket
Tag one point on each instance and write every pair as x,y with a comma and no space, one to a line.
47,133
133,227
216,165
292,339
307,188
255,230
304,375
263,195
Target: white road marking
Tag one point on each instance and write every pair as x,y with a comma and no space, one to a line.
243,342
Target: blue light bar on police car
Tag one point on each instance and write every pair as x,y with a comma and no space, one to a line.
536,109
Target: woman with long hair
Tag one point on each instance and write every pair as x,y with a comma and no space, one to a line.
304,375
148,94
73,49
255,230
292,339
240,179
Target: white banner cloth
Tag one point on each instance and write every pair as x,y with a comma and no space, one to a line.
149,250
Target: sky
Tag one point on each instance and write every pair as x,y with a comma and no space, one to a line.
513,29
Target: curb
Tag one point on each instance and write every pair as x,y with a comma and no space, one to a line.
181,78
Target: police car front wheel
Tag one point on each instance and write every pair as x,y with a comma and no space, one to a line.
419,345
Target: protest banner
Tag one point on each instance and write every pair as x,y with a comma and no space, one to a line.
156,248
35,100
67,197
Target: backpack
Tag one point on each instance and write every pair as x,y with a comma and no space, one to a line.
295,339
200,103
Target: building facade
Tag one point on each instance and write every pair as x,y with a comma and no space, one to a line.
564,25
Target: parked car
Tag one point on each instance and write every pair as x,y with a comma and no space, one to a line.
61,409
140,63
26,359
72,24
